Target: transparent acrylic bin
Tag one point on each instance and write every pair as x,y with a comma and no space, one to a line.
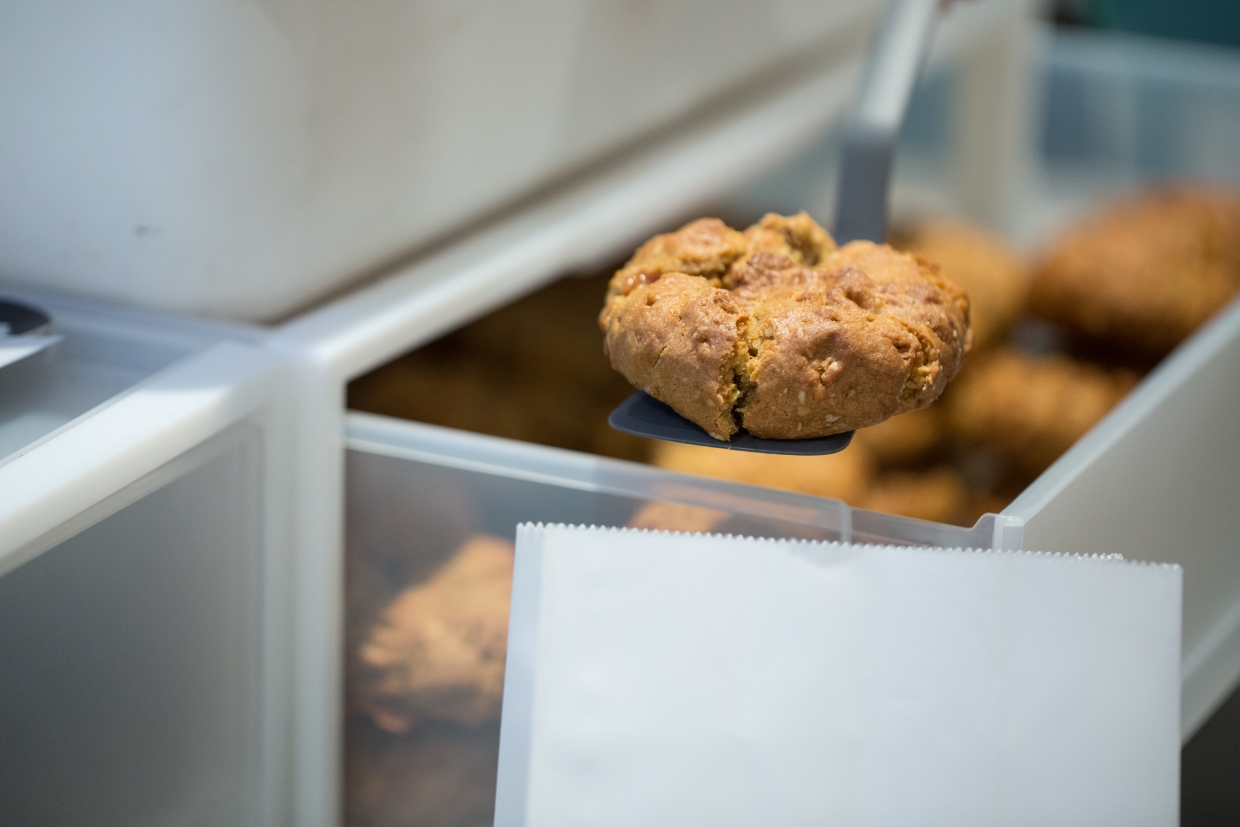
417,493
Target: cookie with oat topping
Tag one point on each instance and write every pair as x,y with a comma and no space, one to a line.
778,331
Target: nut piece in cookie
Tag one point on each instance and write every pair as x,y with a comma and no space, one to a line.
1030,410
1147,272
438,649
777,331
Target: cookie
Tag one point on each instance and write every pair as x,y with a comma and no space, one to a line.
843,476
991,272
1031,410
1146,272
904,439
438,649
776,331
938,495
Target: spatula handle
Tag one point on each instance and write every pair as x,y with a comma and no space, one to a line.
873,126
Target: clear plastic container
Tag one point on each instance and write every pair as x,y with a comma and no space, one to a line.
418,495
132,684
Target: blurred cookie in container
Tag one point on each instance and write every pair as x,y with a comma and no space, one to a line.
993,273
548,337
1030,410
669,516
470,395
443,776
1144,272
843,476
437,650
938,495
904,439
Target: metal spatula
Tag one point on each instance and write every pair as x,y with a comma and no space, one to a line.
24,331
861,208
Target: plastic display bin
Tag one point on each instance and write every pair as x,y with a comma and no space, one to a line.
417,493
144,514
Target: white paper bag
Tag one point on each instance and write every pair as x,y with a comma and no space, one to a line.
671,679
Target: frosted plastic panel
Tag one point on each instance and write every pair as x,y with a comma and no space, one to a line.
1159,480
129,693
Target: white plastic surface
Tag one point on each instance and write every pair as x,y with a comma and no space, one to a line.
144,552
77,466
132,688
97,355
14,349
1159,479
241,159
669,679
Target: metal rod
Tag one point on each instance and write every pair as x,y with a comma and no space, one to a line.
873,127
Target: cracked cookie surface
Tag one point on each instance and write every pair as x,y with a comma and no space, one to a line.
777,331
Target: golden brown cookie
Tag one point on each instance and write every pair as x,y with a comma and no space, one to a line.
1030,410
906,438
1145,272
994,275
438,649
938,495
843,476
434,777
533,370
776,331
668,516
